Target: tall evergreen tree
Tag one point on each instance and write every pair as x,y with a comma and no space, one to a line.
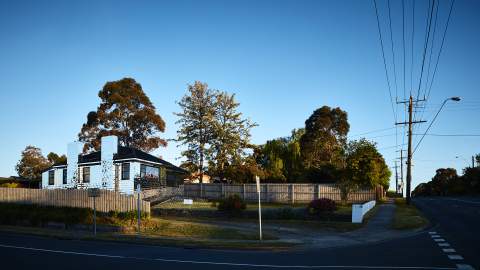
231,133
323,144
196,125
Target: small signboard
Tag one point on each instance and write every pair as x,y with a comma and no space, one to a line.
188,201
257,179
93,192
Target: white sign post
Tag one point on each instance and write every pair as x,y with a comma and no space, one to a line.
257,179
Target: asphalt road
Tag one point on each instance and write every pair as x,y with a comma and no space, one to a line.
458,222
451,243
28,252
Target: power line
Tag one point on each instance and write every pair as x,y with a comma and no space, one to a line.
403,35
450,135
441,48
413,50
373,131
425,47
393,49
384,62
431,47
388,147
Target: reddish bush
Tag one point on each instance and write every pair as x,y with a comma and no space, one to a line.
232,204
321,205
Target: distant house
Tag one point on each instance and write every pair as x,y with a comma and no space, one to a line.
115,168
194,178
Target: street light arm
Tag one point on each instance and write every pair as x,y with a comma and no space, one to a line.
433,120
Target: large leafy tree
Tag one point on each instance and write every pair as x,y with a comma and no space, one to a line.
365,166
55,159
281,158
32,163
196,119
231,134
127,112
444,180
324,142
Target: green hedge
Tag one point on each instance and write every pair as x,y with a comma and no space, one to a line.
15,214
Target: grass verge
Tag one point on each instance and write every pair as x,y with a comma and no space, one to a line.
407,216
149,239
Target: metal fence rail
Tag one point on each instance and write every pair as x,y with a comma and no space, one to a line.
108,200
281,193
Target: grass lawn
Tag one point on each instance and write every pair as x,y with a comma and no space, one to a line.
178,228
204,205
407,216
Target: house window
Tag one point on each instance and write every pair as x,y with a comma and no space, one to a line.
64,176
51,177
149,172
125,171
86,175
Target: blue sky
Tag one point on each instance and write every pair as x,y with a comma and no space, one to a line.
283,59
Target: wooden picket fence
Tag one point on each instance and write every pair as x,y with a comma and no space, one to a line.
278,193
108,200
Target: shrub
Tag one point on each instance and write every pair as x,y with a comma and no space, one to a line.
10,185
232,204
393,194
321,205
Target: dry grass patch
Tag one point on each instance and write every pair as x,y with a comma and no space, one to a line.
407,216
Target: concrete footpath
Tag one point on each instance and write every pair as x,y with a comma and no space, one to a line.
376,229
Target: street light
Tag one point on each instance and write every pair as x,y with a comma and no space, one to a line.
431,123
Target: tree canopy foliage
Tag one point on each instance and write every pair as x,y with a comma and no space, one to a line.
365,166
213,131
323,144
446,182
127,112
319,152
55,159
32,163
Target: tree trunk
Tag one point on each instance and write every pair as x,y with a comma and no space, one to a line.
201,165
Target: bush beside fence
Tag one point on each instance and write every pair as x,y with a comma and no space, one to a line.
108,200
278,193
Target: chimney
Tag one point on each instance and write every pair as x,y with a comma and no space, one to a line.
73,150
109,147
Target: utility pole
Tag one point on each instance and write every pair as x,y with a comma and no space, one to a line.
473,162
409,150
401,172
396,178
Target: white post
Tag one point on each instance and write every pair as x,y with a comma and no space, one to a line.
257,179
138,207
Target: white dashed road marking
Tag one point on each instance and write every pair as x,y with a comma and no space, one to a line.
465,267
446,248
229,263
455,257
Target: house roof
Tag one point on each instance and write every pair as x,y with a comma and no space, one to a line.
125,153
